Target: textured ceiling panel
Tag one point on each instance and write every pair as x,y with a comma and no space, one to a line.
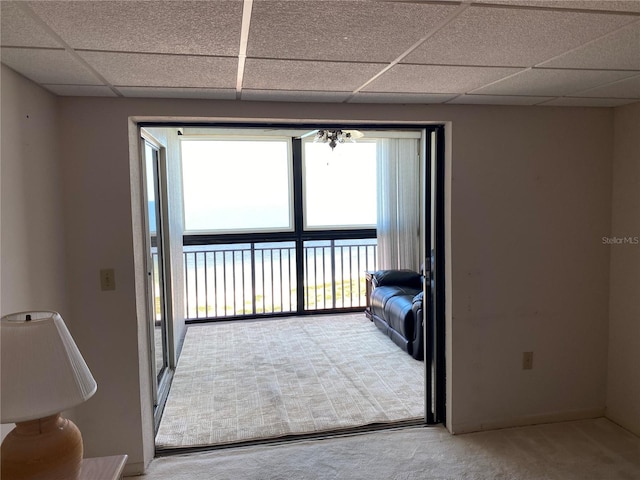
48,66
188,27
611,5
498,100
18,28
149,70
436,79
514,52
165,92
627,88
81,90
512,37
618,51
424,98
352,30
552,83
293,96
301,75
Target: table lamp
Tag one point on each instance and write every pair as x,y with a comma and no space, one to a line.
42,374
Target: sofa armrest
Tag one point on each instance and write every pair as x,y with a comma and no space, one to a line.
417,341
417,300
401,278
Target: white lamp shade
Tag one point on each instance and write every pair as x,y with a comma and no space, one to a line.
42,370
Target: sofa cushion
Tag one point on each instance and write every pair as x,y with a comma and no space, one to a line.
381,296
399,278
399,315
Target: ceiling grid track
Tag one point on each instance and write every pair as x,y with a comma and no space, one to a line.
634,22
406,53
28,11
247,9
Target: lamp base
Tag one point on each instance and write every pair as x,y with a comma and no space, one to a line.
48,448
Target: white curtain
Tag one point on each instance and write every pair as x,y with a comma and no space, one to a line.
398,227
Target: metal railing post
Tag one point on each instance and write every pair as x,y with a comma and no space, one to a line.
332,244
253,278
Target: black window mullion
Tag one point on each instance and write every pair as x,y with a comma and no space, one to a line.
298,220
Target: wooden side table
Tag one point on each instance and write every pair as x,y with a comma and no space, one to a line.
103,468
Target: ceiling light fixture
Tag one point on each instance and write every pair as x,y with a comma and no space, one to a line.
333,137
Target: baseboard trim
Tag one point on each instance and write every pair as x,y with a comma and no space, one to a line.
498,423
133,469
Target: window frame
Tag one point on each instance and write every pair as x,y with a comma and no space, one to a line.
242,231
317,228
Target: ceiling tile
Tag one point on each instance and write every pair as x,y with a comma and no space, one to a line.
610,5
166,92
419,98
512,37
187,27
626,88
48,66
498,100
551,83
304,75
323,50
588,102
152,70
19,29
294,96
81,90
436,79
617,51
354,30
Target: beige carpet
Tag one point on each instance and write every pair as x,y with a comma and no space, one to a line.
263,379
582,450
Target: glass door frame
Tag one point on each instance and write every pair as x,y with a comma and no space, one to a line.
160,380
434,320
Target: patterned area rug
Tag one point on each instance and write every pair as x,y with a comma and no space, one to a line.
264,379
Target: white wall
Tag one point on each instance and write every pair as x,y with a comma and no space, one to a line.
530,200
32,245
32,233
623,386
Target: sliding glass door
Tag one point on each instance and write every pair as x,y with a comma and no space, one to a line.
156,275
434,284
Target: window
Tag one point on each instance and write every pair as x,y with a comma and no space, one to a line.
340,185
233,185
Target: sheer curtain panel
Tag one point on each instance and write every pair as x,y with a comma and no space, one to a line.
398,224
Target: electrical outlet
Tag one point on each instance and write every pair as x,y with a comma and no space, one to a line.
107,279
527,360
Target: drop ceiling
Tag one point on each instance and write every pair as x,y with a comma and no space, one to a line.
505,52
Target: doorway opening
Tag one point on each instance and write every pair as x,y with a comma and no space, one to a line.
304,250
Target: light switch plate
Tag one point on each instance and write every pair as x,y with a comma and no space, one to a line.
107,279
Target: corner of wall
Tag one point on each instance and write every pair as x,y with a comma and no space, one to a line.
623,382
32,203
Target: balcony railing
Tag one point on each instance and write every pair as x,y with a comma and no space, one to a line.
249,279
